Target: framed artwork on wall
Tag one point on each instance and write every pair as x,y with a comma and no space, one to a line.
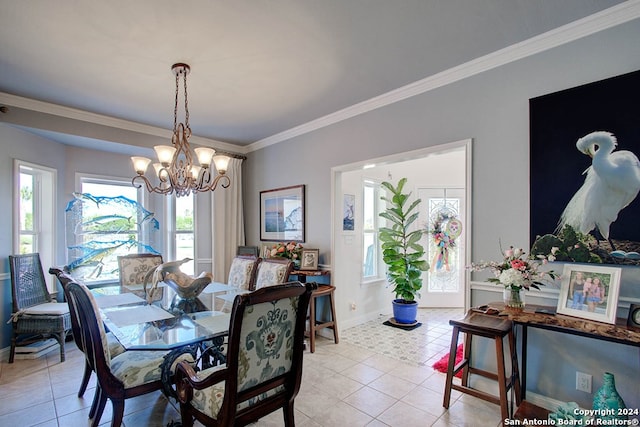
590,292
282,214
584,178
348,212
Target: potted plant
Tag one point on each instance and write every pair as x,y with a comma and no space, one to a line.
401,252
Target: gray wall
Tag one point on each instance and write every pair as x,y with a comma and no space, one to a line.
491,108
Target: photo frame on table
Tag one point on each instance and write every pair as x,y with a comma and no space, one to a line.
590,292
282,214
309,259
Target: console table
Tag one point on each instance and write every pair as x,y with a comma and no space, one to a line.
303,274
528,318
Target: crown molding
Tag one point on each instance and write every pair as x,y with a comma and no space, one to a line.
589,25
100,119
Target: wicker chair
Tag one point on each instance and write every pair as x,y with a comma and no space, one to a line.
263,370
272,271
132,373
35,314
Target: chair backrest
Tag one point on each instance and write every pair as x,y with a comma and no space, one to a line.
133,268
273,271
266,345
28,287
242,272
75,325
84,308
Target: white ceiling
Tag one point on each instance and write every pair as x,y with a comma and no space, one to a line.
258,68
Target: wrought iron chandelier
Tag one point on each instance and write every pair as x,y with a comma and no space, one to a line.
175,170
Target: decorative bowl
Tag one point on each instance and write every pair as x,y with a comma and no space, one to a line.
186,286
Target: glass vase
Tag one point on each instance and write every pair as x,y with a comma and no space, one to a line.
513,297
607,401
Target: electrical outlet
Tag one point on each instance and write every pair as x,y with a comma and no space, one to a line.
583,382
353,306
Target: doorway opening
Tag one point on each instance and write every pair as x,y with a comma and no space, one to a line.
441,177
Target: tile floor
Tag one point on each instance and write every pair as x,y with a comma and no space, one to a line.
376,376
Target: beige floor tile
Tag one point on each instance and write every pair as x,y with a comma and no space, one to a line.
404,415
370,401
393,386
342,415
362,373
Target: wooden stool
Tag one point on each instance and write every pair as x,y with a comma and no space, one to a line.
487,326
323,290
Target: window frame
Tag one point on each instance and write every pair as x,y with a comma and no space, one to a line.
374,232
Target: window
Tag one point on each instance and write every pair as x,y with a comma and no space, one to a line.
35,213
105,220
372,206
185,232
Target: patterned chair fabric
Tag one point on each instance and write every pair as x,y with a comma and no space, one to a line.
128,374
134,268
242,272
264,361
273,271
34,311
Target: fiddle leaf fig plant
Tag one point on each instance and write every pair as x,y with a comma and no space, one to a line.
401,251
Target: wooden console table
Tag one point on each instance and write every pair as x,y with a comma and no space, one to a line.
528,318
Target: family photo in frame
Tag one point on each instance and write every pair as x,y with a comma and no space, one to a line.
590,292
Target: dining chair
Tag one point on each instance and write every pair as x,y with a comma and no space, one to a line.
115,348
34,312
135,269
131,373
264,361
272,271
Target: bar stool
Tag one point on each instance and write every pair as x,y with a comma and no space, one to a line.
323,290
487,326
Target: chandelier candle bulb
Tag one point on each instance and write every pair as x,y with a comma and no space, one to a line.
140,164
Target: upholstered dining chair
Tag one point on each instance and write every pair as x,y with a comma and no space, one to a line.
34,312
264,361
115,348
131,373
242,271
272,271
134,269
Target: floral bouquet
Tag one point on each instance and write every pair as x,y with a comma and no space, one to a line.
516,271
291,250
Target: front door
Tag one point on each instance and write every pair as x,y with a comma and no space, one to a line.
441,212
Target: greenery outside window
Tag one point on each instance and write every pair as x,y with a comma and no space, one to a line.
372,205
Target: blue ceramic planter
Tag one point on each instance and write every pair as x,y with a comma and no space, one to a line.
403,312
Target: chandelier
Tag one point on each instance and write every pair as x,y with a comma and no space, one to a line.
175,170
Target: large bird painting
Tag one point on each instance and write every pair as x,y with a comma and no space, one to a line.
585,173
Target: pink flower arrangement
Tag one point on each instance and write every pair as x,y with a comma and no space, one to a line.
291,250
516,271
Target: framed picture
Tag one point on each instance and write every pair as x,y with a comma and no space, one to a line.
309,259
561,196
590,292
247,251
282,214
348,210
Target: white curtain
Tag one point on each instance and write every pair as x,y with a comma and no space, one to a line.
227,222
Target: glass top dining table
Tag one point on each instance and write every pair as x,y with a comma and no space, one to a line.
169,322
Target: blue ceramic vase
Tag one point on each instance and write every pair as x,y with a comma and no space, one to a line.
607,401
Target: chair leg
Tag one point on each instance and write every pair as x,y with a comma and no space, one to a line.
289,420
13,348
102,401
60,338
185,415
85,379
118,412
450,367
95,402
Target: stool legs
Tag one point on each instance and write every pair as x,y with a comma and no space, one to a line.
450,368
313,323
